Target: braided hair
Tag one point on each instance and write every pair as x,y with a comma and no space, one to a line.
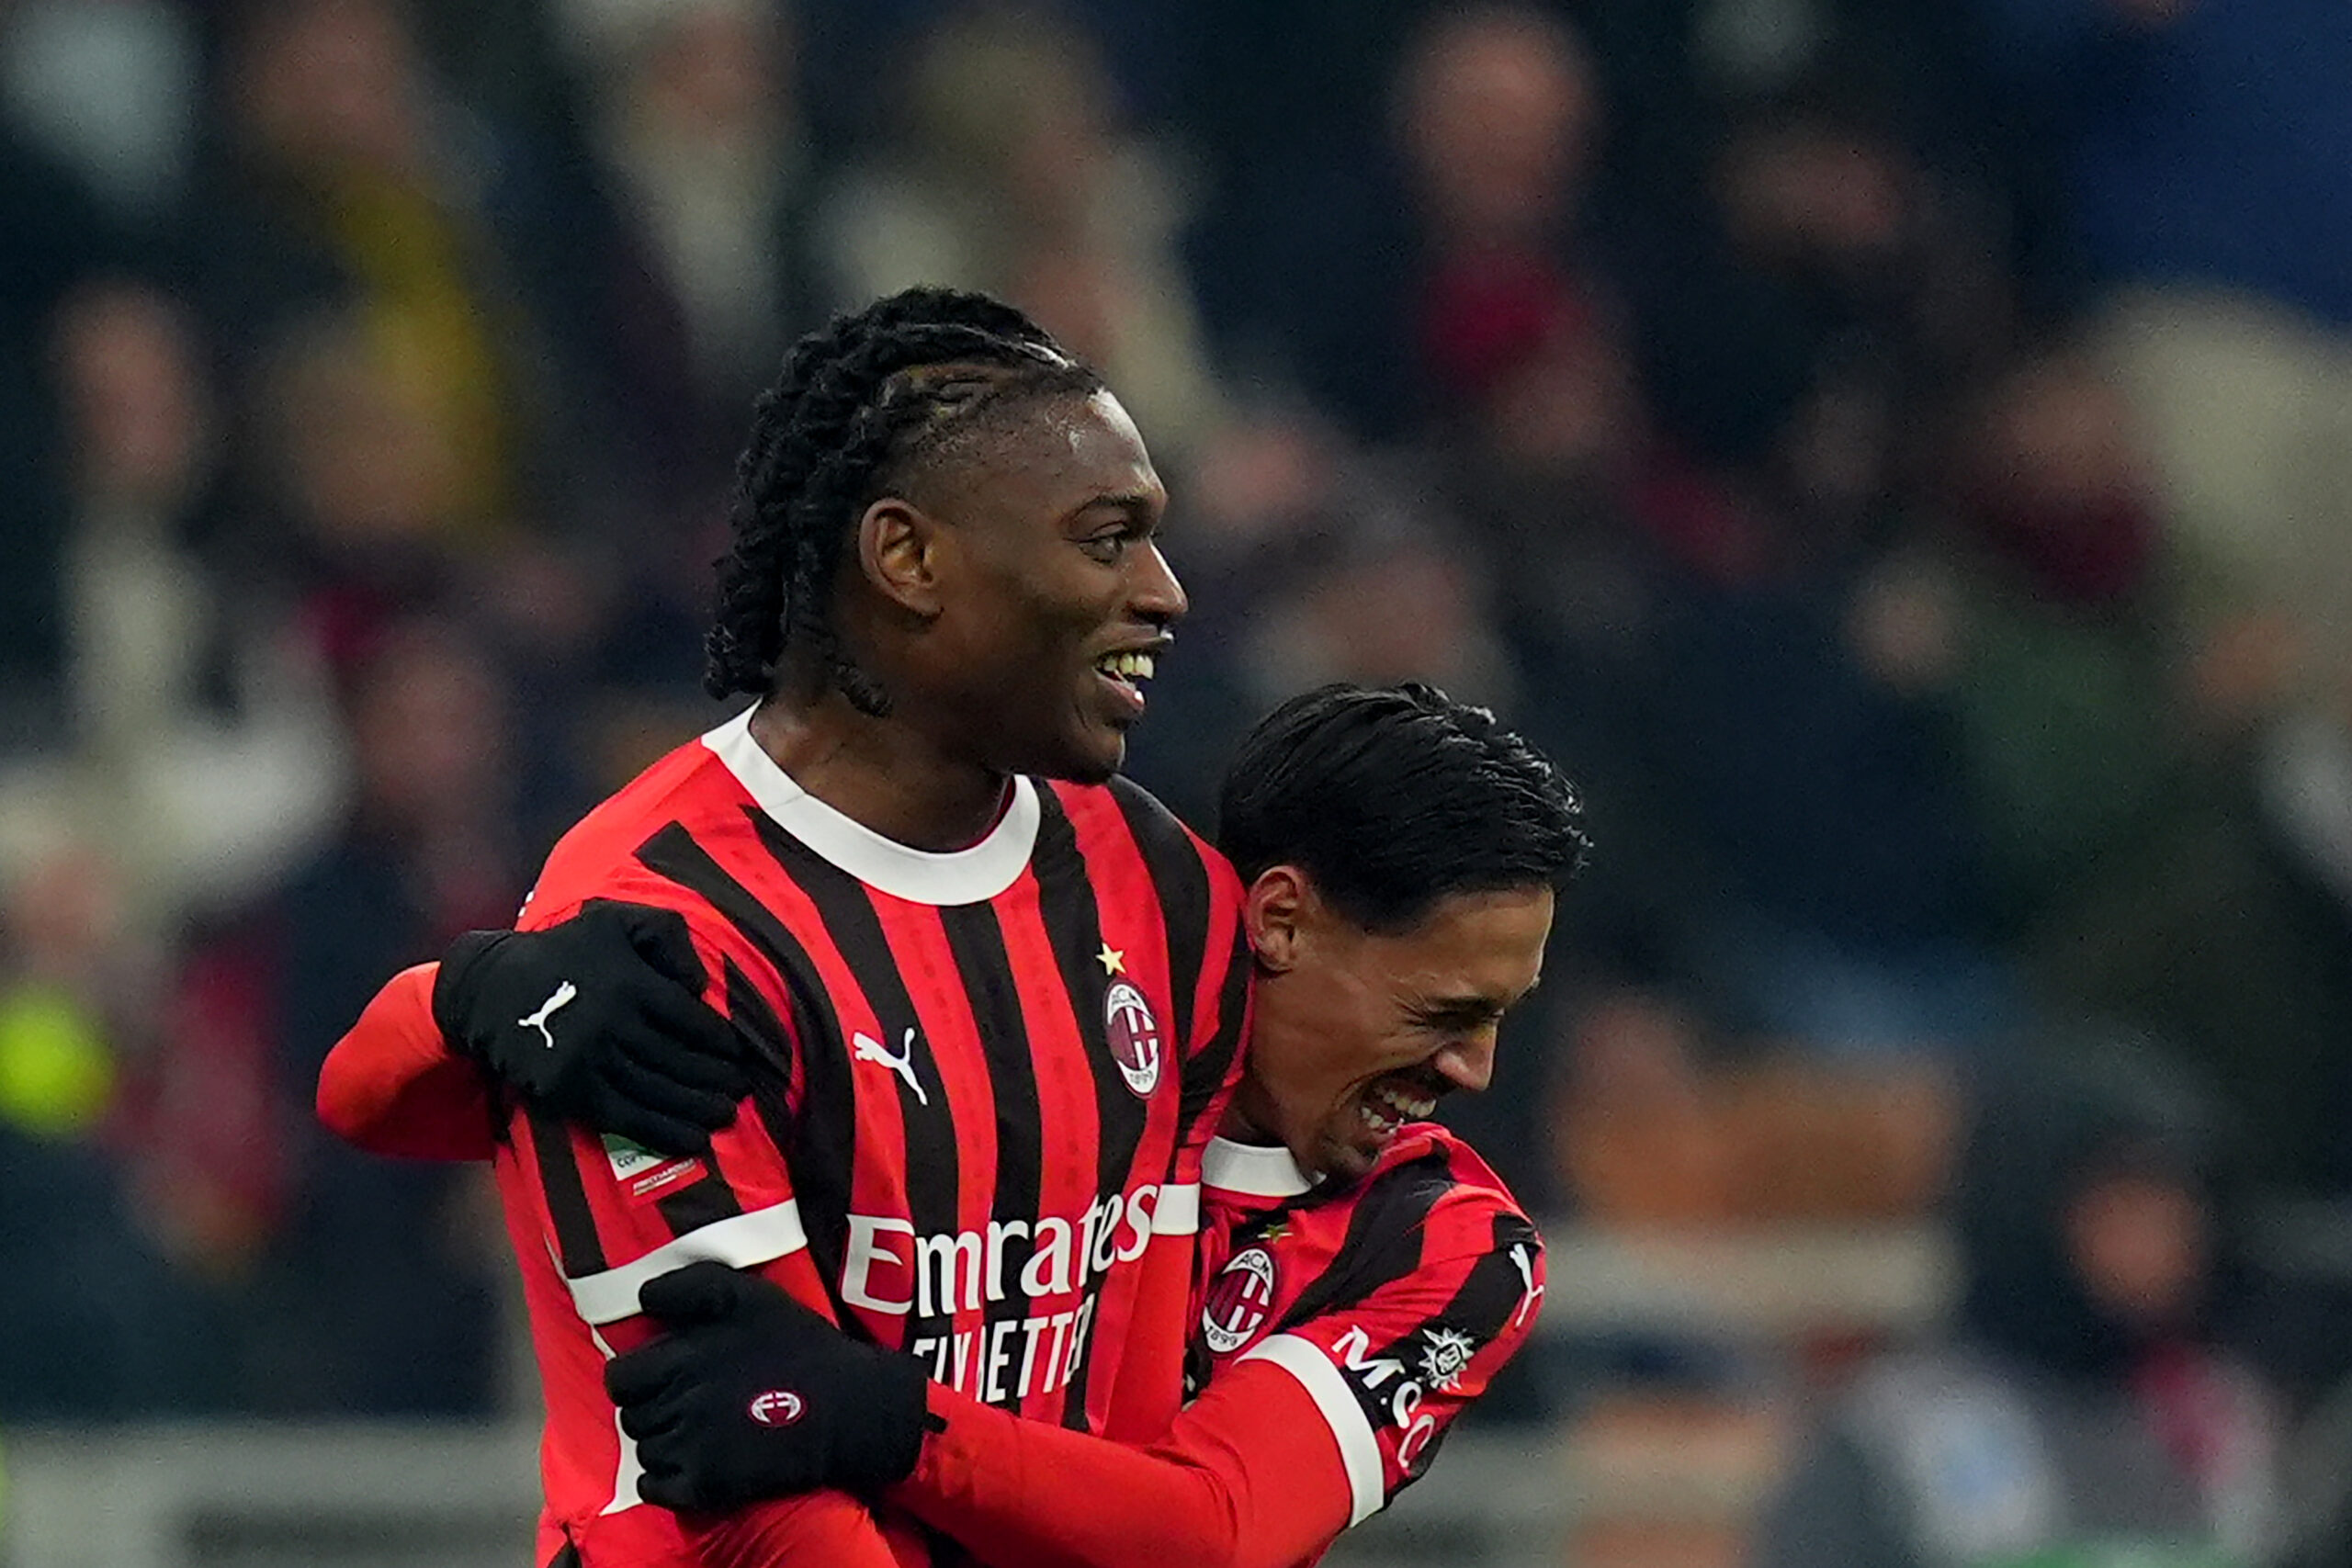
856,406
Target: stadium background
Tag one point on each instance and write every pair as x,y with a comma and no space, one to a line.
1899,458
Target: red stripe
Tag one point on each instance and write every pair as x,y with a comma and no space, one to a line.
1064,1079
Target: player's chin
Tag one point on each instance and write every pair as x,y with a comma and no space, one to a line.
1093,753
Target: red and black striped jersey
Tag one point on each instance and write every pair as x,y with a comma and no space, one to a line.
1394,1300
987,1079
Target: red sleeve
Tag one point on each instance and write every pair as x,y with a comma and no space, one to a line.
1248,1477
1390,1372
392,1086
1310,1431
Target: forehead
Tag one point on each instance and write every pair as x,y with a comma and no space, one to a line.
1485,944
1052,454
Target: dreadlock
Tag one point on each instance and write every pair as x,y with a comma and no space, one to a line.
849,413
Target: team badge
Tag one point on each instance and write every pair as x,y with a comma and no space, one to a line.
1444,1355
1134,1034
1238,1301
777,1407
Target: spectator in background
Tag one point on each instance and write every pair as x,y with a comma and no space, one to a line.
1012,174
2207,153
694,118
101,1322
346,181
368,1284
2098,1399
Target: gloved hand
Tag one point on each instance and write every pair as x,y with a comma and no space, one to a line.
601,1020
751,1395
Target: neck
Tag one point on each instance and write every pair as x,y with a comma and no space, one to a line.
880,772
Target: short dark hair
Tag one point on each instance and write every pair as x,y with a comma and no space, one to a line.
1393,797
848,416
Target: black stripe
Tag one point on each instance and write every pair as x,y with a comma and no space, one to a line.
1488,1294
575,1222
771,1099
1384,1240
1074,931
847,910
568,1558
1204,1074
1182,883
705,1201
976,936
820,1143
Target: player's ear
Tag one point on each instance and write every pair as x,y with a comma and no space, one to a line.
1273,911
897,552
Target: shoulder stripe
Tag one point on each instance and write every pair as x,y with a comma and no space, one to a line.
1359,1450
745,1241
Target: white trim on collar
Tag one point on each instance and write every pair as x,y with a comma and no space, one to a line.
1253,1170
920,876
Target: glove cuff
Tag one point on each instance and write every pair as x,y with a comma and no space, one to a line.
891,1441
457,989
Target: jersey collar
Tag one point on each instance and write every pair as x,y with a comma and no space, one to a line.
971,876
1252,1171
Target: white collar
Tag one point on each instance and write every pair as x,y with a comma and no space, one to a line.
1252,1171
971,876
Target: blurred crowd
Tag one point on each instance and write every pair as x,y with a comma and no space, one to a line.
1898,458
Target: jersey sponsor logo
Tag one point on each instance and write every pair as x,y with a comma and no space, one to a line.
776,1407
888,1267
562,996
1238,1301
644,1170
1383,1386
864,1047
1134,1034
1445,1355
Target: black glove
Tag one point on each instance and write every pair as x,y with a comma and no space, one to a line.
752,1396
601,1020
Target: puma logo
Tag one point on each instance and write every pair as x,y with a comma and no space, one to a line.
1525,1262
865,1048
562,998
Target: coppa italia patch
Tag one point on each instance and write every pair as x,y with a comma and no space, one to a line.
644,1171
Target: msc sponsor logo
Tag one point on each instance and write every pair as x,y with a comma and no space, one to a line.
1385,1387
1239,1300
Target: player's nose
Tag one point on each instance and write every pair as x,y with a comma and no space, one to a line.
1153,594
1468,1063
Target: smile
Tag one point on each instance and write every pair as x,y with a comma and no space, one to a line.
1125,673
1385,1109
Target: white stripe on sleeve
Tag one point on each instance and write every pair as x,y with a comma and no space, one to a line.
739,1241
1359,1450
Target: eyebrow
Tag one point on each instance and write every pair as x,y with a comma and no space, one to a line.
1138,504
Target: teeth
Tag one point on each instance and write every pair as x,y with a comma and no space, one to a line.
1409,1107
1128,666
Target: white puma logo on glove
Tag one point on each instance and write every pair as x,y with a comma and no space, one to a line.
562,997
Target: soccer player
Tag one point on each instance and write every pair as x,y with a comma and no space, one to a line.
1366,1274
992,1019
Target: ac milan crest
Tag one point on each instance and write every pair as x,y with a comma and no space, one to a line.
1238,1301
1134,1034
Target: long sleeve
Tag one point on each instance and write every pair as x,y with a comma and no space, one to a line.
1248,1477
392,1087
